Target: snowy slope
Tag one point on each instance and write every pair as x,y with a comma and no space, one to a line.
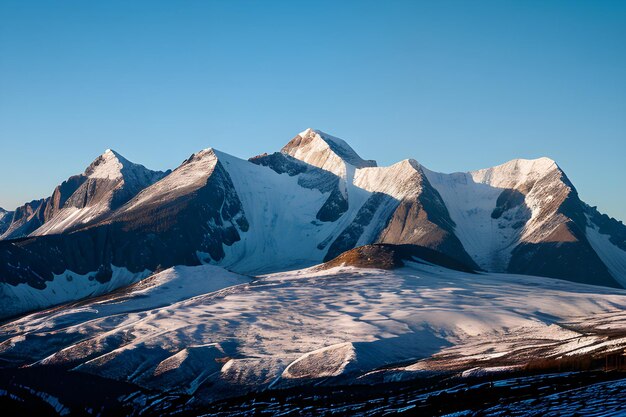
64,287
293,327
612,255
282,209
284,230
471,199
497,208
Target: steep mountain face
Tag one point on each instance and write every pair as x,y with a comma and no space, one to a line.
26,219
193,209
5,220
421,217
524,217
325,151
108,183
607,237
310,202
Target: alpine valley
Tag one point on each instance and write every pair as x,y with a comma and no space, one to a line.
311,281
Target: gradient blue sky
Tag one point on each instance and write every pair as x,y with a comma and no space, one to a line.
455,85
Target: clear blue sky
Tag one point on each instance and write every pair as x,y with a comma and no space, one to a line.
455,85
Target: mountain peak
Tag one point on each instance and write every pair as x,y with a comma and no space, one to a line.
208,153
511,172
515,172
109,165
112,154
324,151
538,164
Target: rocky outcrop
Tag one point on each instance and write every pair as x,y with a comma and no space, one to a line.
386,256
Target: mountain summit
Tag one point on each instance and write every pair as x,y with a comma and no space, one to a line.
324,151
109,165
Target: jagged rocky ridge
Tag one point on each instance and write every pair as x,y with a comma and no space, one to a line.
107,183
308,203
5,220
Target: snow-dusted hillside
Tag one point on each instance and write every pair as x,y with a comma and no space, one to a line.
205,331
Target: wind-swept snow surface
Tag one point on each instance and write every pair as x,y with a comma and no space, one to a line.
301,326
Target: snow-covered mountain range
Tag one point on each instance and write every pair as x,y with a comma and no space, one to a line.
310,269
118,222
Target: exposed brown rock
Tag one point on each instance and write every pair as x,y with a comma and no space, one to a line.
387,256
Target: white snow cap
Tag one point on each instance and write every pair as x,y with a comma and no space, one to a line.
111,165
514,172
205,153
341,148
325,151
108,165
